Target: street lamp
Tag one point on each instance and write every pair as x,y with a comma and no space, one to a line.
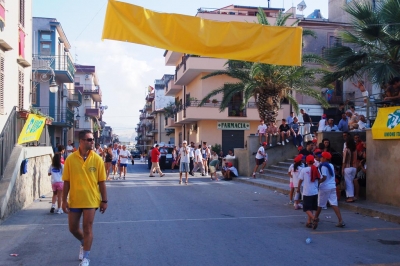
45,77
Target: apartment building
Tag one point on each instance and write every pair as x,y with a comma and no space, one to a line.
15,57
53,74
89,115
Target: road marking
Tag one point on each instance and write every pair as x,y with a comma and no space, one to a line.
356,231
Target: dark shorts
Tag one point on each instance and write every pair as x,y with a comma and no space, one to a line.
310,203
123,164
260,161
113,162
79,210
232,174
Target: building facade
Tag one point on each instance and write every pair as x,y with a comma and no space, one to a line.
15,57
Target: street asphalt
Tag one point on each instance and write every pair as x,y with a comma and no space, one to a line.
156,221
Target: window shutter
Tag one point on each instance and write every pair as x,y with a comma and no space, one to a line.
2,84
22,12
20,89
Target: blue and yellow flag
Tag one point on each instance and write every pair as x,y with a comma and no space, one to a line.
193,35
32,129
387,123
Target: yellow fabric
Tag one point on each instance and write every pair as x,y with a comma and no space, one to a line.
32,129
193,35
387,123
84,177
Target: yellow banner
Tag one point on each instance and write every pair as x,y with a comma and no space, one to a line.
387,123
32,129
193,35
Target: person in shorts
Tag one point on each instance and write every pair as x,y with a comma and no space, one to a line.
213,168
184,157
123,159
309,178
55,171
260,159
327,188
262,131
155,158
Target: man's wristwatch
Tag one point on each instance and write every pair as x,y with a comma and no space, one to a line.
104,201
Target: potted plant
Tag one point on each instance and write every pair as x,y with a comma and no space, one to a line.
23,114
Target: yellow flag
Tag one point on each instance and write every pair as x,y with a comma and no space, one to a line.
193,35
387,124
32,129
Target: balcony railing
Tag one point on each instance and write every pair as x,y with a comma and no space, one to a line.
92,112
89,89
74,99
62,116
8,139
59,63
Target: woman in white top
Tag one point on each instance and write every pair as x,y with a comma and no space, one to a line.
124,155
56,171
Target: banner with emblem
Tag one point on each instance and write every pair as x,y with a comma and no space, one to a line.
387,123
32,129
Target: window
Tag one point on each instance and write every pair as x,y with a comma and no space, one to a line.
2,84
22,13
45,37
20,89
45,48
334,41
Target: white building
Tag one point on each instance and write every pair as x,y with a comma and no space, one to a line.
15,56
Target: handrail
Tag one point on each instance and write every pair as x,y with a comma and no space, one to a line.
8,139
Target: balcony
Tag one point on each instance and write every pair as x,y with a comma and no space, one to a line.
92,90
191,67
171,89
63,117
172,58
142,116
170,123
148,107
62,65
150,97
93,112
74,99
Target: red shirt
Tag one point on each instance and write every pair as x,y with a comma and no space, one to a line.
360,146
155,153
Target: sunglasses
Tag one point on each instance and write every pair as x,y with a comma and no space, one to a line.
88,140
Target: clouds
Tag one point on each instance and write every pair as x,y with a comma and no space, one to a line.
124,72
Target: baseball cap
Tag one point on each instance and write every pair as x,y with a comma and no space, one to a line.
324,116
326,155
230,164
314,140
310,159
298,158
299,148
184,142
105,146
264,143
317,151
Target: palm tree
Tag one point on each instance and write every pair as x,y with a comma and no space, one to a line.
372,47
268,84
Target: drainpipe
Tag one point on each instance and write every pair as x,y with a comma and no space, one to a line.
268,3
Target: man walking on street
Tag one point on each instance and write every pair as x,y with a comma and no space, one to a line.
307,125
84,180
155,158
184,159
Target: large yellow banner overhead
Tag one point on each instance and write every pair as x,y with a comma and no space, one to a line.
32,129
387,123
193,35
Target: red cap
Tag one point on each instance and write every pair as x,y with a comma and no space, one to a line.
315,140
298,158
230,164
299,148
264,143
324,116
317,151
310,159
326,155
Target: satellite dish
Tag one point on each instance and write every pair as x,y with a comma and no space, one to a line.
301,6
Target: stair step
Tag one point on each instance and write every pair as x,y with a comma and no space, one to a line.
284,164
275,186
274,177
276,171
279,168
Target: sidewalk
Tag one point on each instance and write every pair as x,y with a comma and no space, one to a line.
363,207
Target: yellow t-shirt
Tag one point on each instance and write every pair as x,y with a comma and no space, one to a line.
84,177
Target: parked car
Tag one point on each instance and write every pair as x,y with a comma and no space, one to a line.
135,154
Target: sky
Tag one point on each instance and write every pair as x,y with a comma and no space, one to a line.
125,70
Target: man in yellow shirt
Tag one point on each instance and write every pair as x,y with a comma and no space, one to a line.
84,180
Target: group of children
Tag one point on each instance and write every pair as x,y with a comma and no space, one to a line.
314,179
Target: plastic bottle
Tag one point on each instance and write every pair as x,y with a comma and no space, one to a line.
308,240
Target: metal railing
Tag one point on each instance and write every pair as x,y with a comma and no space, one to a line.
8,139
56,62
63,115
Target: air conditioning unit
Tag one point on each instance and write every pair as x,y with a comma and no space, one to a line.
86,97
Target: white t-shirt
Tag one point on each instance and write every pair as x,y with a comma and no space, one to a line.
197,156
229,157
56,174
262,128
362,125
184,157
329,183
290,170
262,155
234,170
321,124
309,188
295,175
124,153
115,155
69,149
191,153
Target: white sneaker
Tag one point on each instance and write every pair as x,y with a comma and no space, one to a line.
60,211
287,140
85,262
278,143
283,143
80,257
270,145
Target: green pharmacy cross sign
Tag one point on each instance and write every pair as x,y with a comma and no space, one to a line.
233,126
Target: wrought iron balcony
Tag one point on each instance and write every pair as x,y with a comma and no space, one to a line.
93,112
92,90
62,65
63,117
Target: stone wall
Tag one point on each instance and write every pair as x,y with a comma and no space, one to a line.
17,190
